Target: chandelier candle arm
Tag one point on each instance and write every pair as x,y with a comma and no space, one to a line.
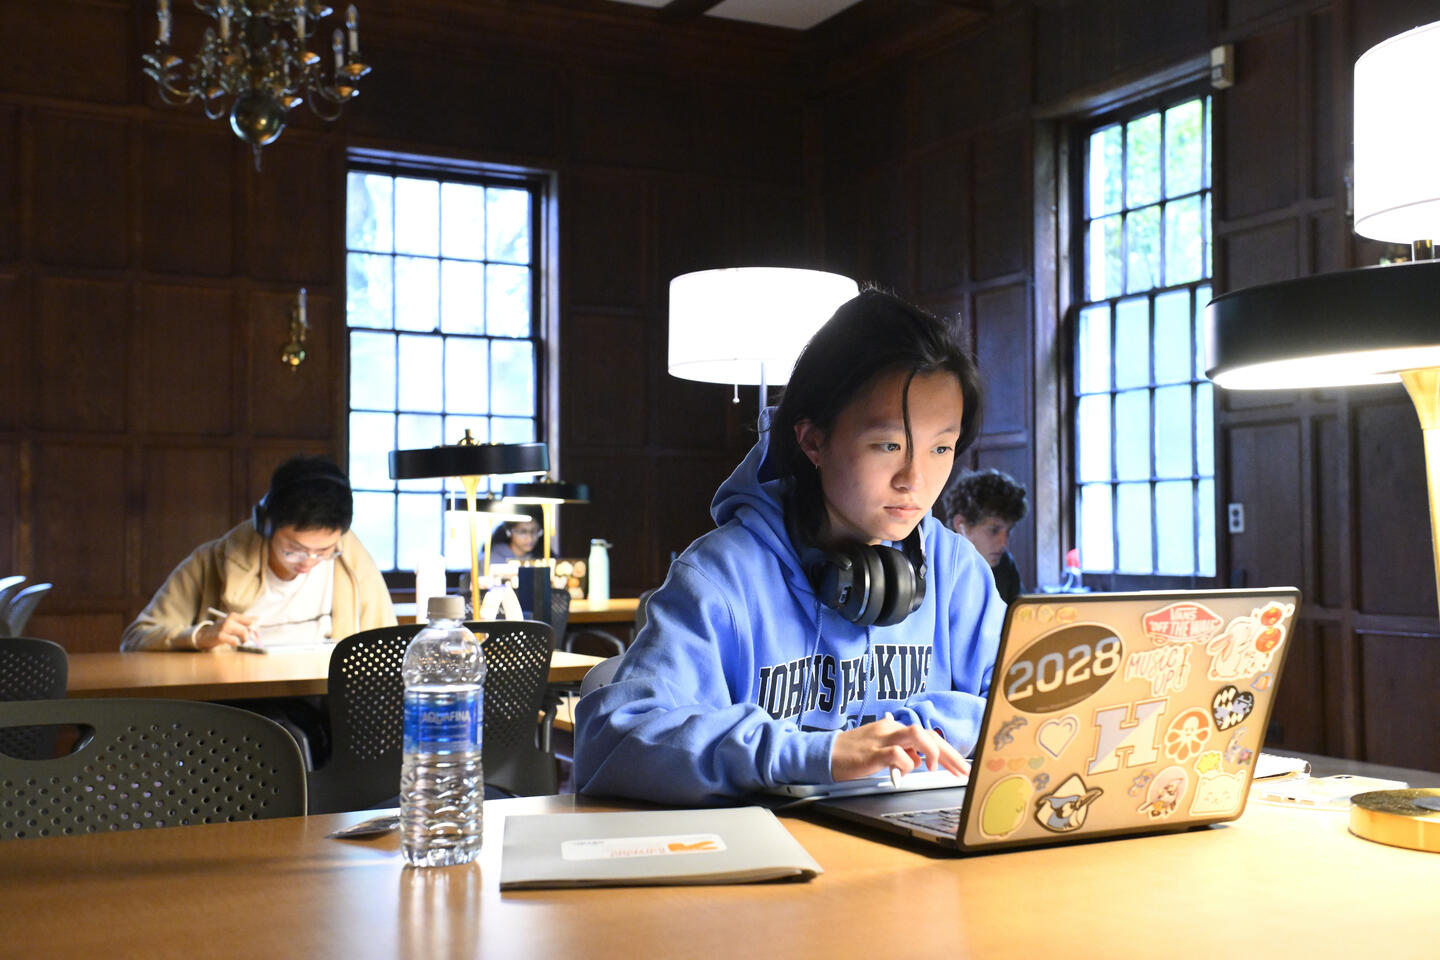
255,65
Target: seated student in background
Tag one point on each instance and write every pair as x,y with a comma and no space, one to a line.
984,507
293,573
755,667
514,541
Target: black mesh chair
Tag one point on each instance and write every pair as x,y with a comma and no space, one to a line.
366,696
148,763
31,669
17,614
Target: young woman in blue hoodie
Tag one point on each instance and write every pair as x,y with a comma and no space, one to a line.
829,628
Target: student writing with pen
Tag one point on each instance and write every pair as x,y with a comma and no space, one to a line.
292,573
829,628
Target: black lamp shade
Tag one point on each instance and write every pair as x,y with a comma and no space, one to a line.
467,460
1352,314
547,491
494,505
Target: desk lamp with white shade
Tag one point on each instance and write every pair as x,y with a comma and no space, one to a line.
1374,324
748,324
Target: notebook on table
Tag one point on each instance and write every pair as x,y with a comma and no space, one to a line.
646,848
1109,715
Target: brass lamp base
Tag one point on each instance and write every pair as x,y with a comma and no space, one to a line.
1424,388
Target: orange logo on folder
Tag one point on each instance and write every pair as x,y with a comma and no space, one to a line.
692,847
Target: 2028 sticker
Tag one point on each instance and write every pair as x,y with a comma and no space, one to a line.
1063,667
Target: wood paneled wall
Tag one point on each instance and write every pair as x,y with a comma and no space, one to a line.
147,270
948,193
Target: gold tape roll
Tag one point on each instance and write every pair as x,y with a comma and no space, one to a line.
1400,818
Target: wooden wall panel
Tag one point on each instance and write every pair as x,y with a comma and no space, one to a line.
79,540
607,250
291,218
885,239
1329,469
1085,46
861,127
301,401
1261,119
187,349
743,133
10,511
78,632
945,97
1391,509
1295,721
1259,255
603,377
1001,241
186,492
81,366
1003,353
187,221
64,49
1239,12
697,228
1325,180
515,107
1395,670
639,122
623,511
941,203
9,183
1264,464
81,202
15,357
772,228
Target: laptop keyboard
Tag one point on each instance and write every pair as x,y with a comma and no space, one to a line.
944,820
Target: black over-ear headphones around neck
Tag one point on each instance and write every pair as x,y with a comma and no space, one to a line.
868,584
260,515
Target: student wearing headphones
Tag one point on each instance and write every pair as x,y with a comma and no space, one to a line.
292,573
830,627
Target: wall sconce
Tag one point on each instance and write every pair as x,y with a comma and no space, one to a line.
293,353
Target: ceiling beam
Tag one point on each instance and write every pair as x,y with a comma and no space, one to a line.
680,10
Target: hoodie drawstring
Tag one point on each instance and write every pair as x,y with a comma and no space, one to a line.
810,667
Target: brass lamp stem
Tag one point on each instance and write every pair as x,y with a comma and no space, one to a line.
471,483
1424,388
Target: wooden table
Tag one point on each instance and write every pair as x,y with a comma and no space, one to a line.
620,611
1278,882
226,675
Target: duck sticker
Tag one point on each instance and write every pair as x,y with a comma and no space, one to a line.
1064,809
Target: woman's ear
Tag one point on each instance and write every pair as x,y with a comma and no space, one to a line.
809,438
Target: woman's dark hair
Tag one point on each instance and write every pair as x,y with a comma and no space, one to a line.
309,493
985,493
872,334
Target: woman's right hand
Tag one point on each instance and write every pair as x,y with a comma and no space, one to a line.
234,630
875,747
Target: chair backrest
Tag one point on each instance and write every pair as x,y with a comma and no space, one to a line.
366,698
31,669
17,614
517,667
559,618
599,675
9,586
148,763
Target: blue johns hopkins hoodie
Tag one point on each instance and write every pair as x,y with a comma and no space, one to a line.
741,679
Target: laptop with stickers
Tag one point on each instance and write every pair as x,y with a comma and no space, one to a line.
1110,714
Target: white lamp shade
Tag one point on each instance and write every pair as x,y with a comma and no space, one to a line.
1397,138
748,324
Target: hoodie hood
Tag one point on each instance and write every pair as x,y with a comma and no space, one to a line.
752,496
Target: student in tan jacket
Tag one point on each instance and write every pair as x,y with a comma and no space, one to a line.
294,573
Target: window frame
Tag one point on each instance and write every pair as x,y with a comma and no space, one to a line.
541,185
1075,226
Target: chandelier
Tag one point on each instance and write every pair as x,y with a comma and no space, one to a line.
256,59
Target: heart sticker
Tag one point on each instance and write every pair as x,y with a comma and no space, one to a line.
1054,736
996,764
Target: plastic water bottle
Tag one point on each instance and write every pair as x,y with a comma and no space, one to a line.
599,572
441,783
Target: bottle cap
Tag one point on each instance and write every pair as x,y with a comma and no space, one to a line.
446,608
